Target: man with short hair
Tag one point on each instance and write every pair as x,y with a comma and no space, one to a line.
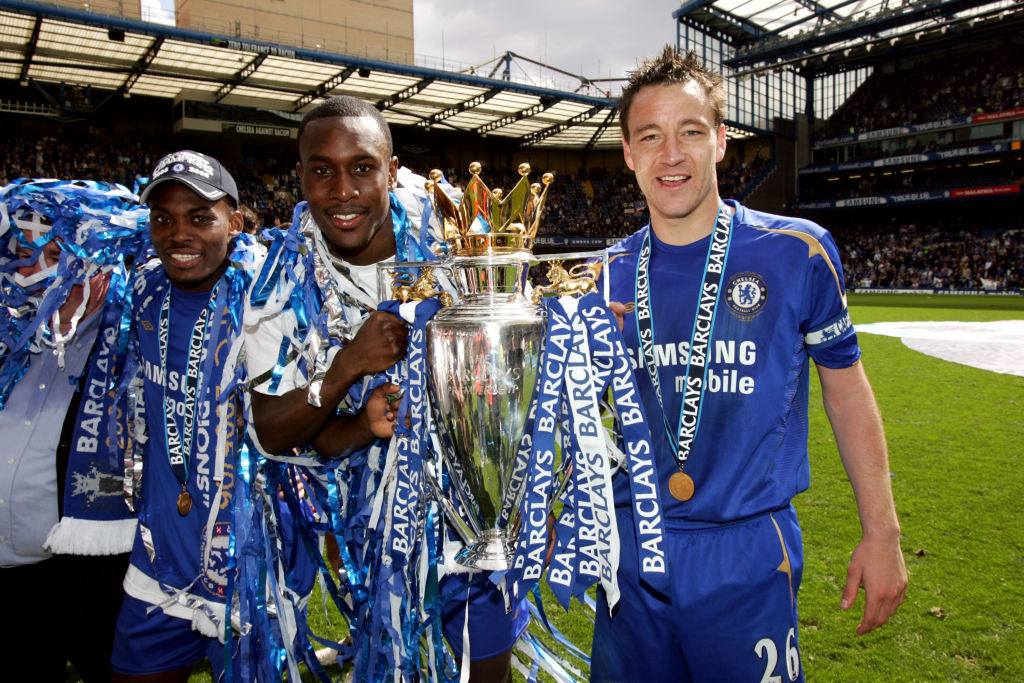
186,317
723,307
361,210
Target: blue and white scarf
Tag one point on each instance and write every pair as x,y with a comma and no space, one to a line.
373,595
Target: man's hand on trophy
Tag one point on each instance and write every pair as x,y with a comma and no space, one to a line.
379,344
381,410
619,309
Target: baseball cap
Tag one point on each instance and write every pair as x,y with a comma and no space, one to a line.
200,172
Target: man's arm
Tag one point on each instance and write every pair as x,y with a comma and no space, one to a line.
877,562
289,421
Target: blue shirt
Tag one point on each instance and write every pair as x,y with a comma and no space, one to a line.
178,540
781,301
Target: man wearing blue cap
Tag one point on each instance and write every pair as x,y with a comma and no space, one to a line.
184,333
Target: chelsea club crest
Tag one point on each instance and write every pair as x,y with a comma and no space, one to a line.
746,295
216,557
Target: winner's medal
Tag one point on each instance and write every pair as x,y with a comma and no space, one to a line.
680,484
185,502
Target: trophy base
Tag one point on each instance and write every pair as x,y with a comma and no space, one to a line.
492,551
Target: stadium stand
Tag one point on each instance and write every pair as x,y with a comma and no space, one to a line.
938,253
929,138
940,88
957,255
947,127
918,175
596,203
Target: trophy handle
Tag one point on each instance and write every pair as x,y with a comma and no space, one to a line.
463,528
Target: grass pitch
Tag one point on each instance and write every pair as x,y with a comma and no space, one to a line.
956,450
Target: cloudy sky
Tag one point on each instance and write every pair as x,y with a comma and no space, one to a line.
595,38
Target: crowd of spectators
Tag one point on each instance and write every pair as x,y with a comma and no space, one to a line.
895,182
917,143
591,203
956,256
940,89
268,186
608,203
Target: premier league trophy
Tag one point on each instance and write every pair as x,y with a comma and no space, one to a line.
483,353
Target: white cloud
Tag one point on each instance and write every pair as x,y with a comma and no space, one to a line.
157,11
596,39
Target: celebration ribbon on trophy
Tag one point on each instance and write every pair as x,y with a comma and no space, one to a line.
528,561
608,347
413,441
596,533
583,356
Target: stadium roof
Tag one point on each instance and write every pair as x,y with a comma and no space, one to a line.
54,45
830,35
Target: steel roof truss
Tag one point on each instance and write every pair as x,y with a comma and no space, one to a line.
512,118
819,10
324,88
461,107
30,49
601,129
143,64
240,77
536,137
411,91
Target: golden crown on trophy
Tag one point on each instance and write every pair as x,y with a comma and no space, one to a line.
488,221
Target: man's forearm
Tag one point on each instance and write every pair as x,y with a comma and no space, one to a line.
343,435
851,408
877,562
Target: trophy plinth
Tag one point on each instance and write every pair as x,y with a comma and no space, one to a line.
492,551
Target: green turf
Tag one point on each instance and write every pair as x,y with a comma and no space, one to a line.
956,442
955,446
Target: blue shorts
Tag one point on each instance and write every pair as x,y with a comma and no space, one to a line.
491,630
154,642
732,614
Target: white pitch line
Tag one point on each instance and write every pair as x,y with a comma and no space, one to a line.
997,345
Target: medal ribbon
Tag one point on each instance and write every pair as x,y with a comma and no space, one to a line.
700,337
179,442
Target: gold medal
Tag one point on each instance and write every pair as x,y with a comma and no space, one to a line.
680,485
185,502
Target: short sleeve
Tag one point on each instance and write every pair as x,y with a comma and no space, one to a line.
269,357
829,335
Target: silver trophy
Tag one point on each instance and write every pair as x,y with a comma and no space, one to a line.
483,354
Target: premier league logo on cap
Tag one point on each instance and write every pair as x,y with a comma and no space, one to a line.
746,295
